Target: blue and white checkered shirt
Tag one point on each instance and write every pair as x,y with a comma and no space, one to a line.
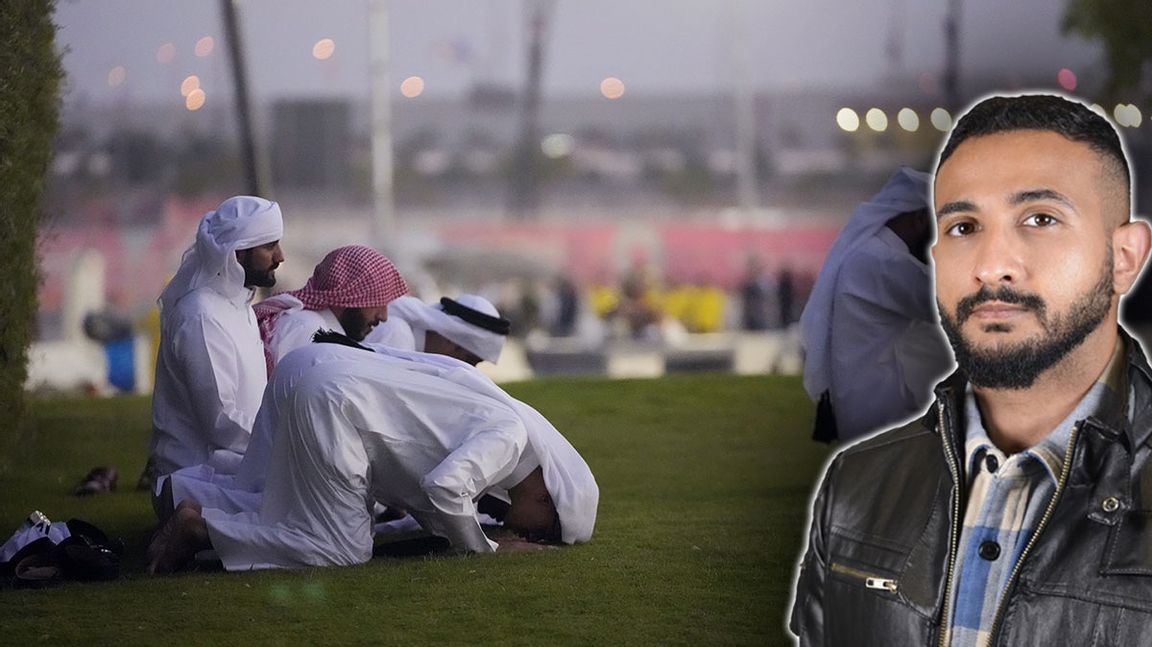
1007,496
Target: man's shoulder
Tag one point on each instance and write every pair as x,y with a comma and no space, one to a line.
201,303
902,450
302,317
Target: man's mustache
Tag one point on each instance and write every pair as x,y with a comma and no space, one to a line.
1003,294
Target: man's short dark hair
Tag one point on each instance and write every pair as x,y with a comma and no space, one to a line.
1073,120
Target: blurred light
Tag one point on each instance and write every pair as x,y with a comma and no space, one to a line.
908,119
558,145
204,46
412,87
189,84
165,53
323,49
116,76
612,88
848,120
1120,114
941,119
1098,109
195,100
1066,78
876,120
1127,114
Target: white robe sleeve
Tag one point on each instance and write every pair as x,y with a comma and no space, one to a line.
210,357
483,460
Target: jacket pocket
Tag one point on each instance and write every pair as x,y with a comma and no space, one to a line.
870,580
863,607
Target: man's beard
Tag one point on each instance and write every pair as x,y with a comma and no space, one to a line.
259,278
254,278
1017,365
355,324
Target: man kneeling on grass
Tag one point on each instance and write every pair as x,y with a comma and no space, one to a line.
425,433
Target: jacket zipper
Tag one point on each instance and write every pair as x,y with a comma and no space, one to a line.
954,539
870,580
1065,469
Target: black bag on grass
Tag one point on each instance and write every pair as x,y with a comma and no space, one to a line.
41,552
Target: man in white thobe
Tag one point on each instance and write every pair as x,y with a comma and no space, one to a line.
422,432
872,344
468,328
210,371
350,291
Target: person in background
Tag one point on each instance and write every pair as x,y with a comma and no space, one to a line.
872,346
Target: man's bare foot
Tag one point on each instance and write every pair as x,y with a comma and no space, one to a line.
178,541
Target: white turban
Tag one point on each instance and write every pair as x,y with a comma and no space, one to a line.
470,321
906,190
242,222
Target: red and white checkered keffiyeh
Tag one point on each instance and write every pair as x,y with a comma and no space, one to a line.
349,277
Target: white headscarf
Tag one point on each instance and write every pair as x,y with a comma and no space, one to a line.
423,317
242,222
566,475
906,190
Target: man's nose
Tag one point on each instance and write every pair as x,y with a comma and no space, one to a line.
999,259
277,255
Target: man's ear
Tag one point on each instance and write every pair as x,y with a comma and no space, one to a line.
1130,244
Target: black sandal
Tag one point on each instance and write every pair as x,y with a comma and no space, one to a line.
99,479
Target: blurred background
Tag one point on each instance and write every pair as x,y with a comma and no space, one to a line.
641,186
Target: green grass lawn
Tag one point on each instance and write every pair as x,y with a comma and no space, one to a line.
704,492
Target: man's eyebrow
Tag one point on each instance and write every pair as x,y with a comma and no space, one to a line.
955,207
1034,195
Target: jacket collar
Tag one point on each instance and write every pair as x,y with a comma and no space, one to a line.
950,397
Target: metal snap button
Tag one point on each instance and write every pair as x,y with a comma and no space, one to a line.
1111,504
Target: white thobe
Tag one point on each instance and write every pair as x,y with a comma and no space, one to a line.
295,327
210,376
371,428
887,349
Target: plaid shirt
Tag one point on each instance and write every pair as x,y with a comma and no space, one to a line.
1007,496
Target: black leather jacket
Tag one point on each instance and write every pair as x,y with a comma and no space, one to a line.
885,526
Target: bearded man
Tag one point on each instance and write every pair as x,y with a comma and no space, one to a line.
210,368
1016,512
349,290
